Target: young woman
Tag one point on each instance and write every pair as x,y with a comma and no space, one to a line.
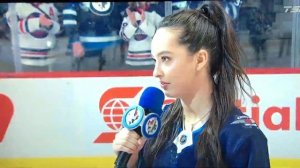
197,61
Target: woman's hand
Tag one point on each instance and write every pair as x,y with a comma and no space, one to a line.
130,142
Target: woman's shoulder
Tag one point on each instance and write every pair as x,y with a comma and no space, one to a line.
243,143
166,107
240,124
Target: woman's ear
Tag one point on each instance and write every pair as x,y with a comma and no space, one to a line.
201,59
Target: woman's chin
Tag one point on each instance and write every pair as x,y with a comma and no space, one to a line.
170,95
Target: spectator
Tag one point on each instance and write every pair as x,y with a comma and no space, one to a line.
138,27
91,27
258,28
37,26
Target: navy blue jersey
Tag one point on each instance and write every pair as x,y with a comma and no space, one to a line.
243,145
94,24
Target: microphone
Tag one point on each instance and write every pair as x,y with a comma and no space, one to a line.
144,119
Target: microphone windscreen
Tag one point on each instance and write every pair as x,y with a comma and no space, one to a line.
152,99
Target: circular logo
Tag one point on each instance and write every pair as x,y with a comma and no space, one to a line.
151,125
113,111
38,33
183,139
133,117
101,8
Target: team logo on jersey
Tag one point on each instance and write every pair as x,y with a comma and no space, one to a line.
39,33
232,8
101,8
139,34
183,139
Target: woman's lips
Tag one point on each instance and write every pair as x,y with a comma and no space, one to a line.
164,85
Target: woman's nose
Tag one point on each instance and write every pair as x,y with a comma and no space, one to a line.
157,71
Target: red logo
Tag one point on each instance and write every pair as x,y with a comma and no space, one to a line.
112,106
6,113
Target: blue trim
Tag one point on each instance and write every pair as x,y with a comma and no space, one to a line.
35,50
99,45
35,58
139,52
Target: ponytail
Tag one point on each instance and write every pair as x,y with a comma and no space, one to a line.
225,72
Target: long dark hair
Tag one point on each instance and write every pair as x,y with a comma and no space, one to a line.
210,28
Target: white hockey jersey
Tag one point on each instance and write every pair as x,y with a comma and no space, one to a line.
140,37
35,42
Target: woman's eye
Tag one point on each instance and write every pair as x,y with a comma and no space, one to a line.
163,58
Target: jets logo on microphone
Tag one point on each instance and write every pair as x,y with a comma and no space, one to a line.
151,125
133,117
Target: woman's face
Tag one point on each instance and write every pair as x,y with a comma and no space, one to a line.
175,67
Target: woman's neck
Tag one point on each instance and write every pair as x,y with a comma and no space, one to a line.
195,114
197,106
